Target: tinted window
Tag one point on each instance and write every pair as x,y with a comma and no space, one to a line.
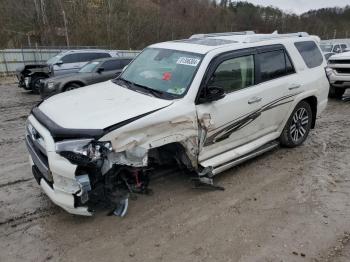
310,53
92,56
125,62
112,65
71,58
289,66
343,47
234,74
274,64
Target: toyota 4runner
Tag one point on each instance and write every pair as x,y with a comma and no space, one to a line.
204,104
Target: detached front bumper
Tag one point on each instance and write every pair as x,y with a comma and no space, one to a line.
52,172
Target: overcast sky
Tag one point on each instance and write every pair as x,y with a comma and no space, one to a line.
301,6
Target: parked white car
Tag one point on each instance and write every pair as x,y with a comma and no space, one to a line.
204,104
338,72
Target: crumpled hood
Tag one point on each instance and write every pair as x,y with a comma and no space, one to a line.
98,106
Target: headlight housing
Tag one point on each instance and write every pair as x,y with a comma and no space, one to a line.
329,71
83,151
50,85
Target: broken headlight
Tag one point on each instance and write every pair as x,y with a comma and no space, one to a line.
83,151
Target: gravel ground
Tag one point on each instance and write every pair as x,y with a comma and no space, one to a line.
287,205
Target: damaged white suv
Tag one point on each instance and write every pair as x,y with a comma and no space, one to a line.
203,104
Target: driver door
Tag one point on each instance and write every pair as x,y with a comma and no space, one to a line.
234,119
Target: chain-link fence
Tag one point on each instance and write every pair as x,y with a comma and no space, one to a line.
11,59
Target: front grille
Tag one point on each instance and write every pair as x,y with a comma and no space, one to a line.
342,70
37,150
343,61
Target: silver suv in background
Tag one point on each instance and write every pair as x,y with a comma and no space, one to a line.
66,62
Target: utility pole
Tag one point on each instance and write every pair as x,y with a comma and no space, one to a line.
65,27
335,33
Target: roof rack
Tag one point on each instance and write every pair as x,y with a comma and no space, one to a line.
275,35
222,34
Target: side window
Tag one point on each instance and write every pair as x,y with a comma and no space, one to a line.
71,58
112,65
125,62
234,74
274,64
343,47
336,49
310,53
85,57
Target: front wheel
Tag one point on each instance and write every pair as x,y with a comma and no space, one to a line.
298,126
35,84
71,86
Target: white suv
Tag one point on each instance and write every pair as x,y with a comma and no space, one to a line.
204,104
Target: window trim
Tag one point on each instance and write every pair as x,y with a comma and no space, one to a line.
317,47
220,58
271,48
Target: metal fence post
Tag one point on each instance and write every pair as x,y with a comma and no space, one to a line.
5,62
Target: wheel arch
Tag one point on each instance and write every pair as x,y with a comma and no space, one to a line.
76,82
312,101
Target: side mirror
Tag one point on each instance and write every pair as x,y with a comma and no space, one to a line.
100,70
59,63
212,93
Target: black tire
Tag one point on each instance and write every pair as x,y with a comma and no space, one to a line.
335,92
298,126
35,84
71,86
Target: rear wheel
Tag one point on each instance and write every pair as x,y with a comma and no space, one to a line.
336,92
71,86
298,126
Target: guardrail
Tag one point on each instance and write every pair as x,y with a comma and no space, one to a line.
11,59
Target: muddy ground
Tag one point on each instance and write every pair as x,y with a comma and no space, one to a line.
287,205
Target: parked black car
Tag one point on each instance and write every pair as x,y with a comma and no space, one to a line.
66,62
94,72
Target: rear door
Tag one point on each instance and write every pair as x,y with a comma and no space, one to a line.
278,86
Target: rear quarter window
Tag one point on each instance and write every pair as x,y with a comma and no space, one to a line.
310,53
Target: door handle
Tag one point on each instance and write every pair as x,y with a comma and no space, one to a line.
254,100
294,87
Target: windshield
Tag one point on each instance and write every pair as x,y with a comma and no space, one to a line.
54,59
88,68
326,48
163,70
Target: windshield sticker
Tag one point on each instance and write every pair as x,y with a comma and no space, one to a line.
176,90
166,76
188,61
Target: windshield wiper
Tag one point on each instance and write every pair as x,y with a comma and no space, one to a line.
154,92
135,86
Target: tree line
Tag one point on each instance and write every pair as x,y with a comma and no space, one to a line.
134,24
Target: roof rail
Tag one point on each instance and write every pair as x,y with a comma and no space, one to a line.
263,37
222,34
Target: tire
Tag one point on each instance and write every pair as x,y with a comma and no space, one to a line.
71,86
35,84
298,126
336,92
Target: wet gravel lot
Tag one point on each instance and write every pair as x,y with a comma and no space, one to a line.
287,205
